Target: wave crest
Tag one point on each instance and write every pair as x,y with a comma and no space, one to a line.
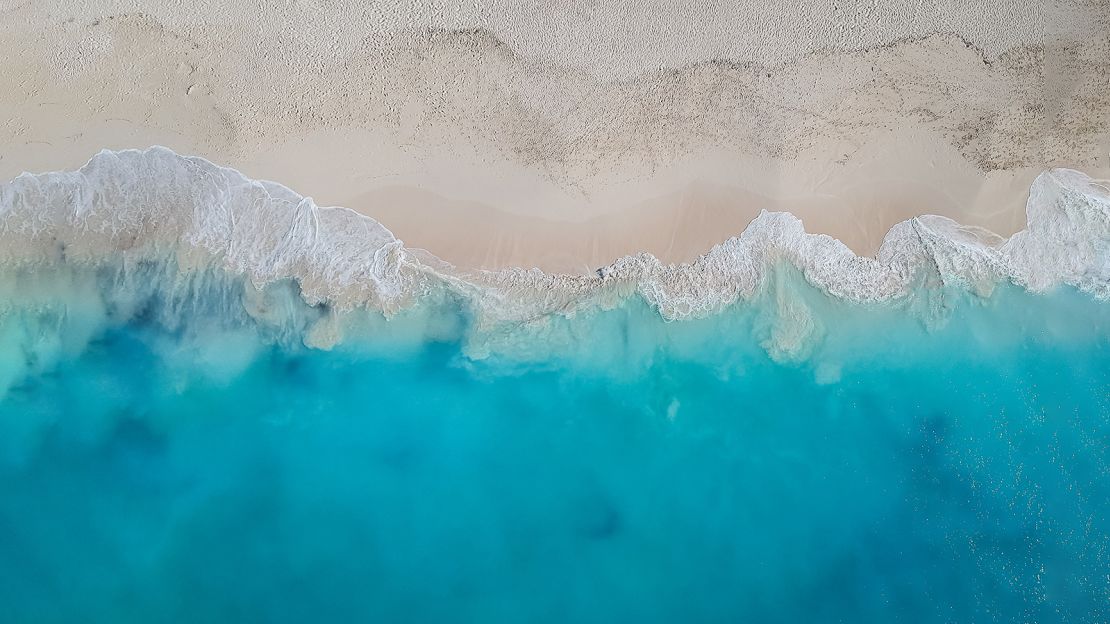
153,203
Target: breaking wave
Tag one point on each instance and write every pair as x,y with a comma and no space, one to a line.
131,208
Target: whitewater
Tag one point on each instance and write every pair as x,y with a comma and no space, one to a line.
222,402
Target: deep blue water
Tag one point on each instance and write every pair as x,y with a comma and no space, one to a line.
611,467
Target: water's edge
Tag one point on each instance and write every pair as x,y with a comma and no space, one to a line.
138,201
153,224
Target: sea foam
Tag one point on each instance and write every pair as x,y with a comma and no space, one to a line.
131,208
133,231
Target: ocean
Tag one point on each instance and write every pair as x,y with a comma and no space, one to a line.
203,432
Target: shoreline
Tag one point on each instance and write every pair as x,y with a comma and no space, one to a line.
133,205
676,218
491,151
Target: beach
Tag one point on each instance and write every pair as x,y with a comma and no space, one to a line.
549,312
491,144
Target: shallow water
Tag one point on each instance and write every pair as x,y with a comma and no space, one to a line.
891,465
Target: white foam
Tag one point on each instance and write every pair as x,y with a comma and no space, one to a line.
150,203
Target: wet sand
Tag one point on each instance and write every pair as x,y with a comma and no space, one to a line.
474,141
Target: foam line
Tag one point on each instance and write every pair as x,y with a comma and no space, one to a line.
155,203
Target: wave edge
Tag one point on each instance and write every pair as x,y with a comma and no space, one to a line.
155,201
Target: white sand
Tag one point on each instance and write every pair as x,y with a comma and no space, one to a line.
565,138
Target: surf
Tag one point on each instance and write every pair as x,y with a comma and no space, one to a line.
220,401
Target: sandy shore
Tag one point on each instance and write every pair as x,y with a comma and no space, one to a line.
471,137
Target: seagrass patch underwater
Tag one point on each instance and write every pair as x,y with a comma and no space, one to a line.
177,461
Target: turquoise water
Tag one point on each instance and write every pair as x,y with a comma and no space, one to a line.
942,460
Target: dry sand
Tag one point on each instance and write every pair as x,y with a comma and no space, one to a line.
520,135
